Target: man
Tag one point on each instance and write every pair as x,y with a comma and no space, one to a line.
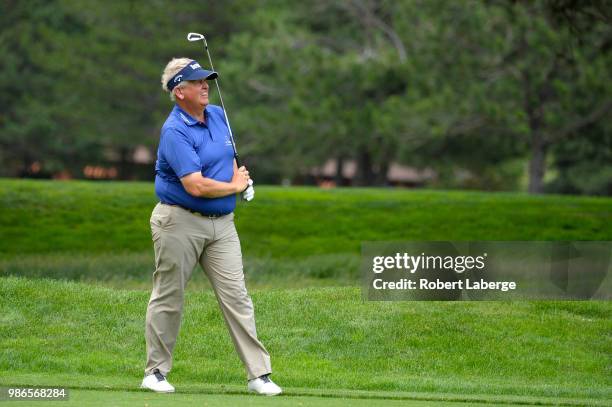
197,180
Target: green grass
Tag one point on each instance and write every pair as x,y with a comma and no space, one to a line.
134,269
291,237
201,397
327,346
319,338
51,217
128,399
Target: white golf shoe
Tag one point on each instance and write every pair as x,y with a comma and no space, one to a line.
263,385
157,382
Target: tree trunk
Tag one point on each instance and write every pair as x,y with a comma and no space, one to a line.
537,164
381,176
534,109
26,162
124,163
339,177
365,171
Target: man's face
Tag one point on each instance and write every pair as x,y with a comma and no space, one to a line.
196,92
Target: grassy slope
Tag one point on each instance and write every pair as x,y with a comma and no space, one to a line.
319,338
291,237
39,216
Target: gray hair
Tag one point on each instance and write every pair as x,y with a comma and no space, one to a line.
172,68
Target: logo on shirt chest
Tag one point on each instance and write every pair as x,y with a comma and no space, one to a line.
228,142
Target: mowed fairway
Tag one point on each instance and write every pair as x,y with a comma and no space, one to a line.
128,399
301,247
324,341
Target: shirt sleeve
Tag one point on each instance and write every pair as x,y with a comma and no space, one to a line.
179,152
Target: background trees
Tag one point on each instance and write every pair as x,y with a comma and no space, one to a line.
512,93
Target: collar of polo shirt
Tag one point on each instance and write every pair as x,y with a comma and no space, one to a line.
187,118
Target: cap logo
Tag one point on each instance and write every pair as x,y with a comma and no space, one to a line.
192,70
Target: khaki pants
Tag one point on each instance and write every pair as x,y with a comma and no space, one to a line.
181,240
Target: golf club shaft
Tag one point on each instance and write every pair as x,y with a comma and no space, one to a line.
236,157
196,37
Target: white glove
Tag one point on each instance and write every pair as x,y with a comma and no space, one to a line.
249,193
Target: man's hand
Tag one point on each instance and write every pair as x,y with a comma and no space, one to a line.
249,193
240,180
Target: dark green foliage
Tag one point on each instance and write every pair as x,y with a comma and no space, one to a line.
471,86
584,164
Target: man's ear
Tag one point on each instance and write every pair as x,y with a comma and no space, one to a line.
178,93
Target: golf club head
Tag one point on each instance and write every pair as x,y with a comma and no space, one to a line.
194,37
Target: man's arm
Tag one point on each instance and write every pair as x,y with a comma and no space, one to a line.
197,185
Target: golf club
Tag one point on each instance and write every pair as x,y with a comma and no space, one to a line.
192,37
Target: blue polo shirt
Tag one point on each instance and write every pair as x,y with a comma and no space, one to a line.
187,146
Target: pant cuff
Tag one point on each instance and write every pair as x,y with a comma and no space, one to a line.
257,373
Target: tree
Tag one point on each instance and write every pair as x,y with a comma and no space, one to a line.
31,128
518,69
81,78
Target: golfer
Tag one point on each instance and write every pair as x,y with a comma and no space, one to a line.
197,180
